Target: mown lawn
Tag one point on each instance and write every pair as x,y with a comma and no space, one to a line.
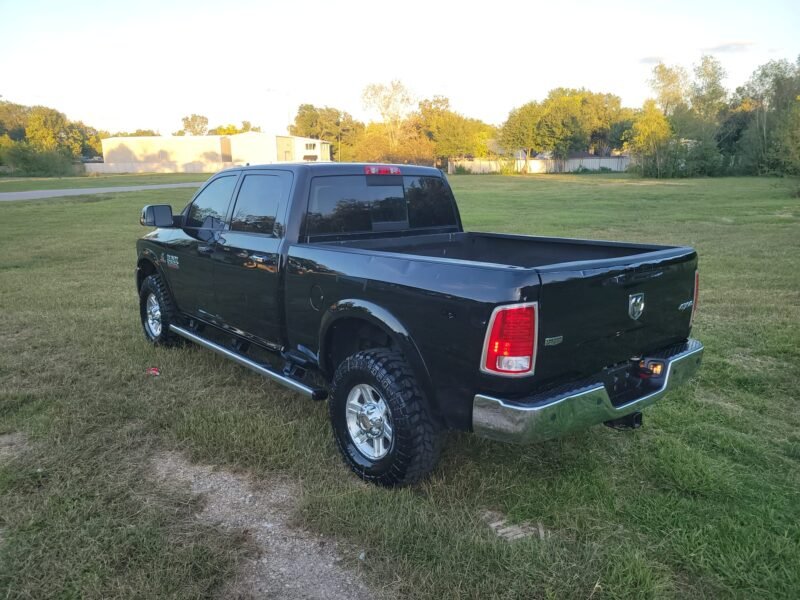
703,501
23,184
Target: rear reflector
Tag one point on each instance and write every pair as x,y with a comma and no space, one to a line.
696,298
510,345
381,170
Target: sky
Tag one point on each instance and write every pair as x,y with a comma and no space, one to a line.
120,66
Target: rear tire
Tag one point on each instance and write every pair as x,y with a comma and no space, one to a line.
157,312
381,419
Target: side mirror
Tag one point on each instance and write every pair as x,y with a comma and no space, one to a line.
157,215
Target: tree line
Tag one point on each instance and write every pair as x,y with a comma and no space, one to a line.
692,125
39,140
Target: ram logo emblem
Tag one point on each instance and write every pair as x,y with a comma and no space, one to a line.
635,305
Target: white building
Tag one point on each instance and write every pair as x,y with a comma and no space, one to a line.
205,153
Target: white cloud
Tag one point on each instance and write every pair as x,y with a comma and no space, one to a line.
729,47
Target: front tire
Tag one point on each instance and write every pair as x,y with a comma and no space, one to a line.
381,419
157,312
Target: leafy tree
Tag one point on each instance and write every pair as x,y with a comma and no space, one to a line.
392,101
372,144
135,133
25,159
232,129
13,119
84,140
451,134
786,151
735,120
414,145
559,128
622,122
329,124
649,139
770,94
195,125
670,85
707,92
47,129
521,130
567,121
5,144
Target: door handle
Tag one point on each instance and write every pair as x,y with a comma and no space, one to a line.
258,258
243,254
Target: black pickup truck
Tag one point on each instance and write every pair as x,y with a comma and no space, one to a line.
357,283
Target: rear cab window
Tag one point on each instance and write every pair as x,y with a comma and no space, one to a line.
343,205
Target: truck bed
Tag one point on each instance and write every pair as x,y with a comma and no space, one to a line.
511,250
584,289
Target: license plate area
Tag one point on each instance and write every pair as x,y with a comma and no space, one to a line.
624,383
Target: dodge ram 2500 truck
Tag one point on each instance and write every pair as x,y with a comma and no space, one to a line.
357,283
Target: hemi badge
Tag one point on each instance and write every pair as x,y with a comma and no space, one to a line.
686,305
553,341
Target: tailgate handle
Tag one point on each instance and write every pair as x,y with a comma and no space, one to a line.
632,277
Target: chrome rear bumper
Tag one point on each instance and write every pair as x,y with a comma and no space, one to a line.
556,412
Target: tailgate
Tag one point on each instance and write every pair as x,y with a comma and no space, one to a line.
589,312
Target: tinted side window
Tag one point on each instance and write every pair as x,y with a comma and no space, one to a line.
257,203
209,208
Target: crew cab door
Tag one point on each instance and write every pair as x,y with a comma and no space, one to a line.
247,256
188,255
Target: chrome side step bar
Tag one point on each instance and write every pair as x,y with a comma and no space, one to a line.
292,384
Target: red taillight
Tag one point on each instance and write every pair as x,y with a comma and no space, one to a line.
510,345
381,170
696,297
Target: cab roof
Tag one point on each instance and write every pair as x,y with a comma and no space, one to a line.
334,168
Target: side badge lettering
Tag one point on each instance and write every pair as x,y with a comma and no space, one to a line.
553,341
172,261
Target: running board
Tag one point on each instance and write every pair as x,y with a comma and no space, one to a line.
292,384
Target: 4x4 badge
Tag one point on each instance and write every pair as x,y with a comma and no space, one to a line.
635,305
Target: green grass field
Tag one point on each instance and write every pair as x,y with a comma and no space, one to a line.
23,184
703,501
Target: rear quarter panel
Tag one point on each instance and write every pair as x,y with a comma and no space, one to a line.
444,306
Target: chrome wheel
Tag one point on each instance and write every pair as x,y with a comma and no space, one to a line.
369,421
153,316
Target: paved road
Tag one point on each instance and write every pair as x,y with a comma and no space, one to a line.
37,194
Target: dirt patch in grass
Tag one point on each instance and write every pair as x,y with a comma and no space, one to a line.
11,446
291,562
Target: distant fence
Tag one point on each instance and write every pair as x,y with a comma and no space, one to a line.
541,165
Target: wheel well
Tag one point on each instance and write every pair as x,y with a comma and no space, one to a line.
144,269
348,336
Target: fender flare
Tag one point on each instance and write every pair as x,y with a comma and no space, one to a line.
353,308
149,256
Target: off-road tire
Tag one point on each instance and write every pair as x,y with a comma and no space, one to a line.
416,443
153,284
